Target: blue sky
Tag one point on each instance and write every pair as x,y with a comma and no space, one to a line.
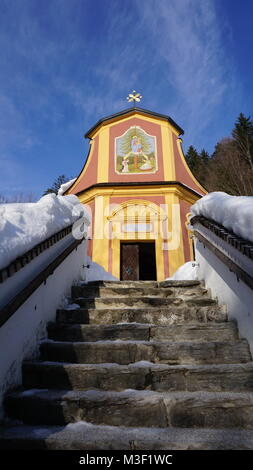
67,63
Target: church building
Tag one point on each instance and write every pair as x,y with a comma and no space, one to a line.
139,190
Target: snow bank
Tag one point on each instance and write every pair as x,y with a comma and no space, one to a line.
235,213
95,272
24,225
65,186
186,272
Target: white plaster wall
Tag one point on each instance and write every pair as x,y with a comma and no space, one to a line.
236,295
20,335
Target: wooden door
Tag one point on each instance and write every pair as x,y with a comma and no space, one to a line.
129,262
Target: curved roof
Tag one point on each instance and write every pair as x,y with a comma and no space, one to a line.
129,111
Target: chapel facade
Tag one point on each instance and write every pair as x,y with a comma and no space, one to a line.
139,190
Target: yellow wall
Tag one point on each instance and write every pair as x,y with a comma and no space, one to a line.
102,197
100,251
176,248
103,155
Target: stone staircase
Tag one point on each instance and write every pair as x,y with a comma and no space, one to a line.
139,366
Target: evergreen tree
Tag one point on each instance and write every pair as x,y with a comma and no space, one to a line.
243,136
56,185
230,167
204,156
193,159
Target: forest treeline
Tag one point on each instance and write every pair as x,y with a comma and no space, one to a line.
230,167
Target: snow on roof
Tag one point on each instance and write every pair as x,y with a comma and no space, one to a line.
65,186
24,225
235,213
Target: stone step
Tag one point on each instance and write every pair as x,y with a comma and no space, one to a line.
142,302
226,331
157,316
86,436
133,408
77,315
154,284
166,283
140,376
127,352
99,291
182,283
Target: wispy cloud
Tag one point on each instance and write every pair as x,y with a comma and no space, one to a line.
188,39
174,52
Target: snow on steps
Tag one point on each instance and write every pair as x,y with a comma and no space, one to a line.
126,352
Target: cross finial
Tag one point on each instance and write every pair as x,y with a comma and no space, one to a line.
134,97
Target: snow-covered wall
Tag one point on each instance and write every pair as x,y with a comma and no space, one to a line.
20,335
235,213
22,227
224,285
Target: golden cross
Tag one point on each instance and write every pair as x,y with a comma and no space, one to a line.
134,97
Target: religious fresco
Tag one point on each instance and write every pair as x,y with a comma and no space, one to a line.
135,152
